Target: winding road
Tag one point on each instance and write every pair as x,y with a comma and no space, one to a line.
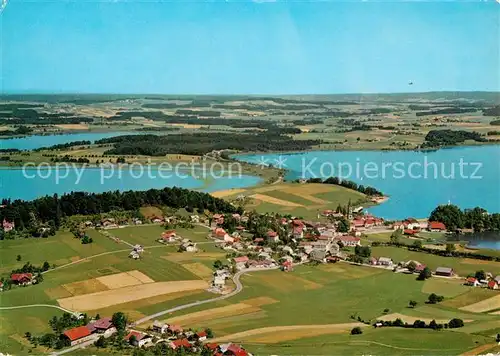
238,289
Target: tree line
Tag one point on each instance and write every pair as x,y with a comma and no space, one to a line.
438,138
454,218
346,184
202,143
28,215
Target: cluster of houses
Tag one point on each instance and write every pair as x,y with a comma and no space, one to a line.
174,335
136,252
490,282
91,331
412,226
170,236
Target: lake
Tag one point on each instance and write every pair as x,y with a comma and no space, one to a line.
480,240
415,181
37,141
30,184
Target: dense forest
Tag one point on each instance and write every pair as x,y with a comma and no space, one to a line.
438,138
50,210
494,111
455,218
63,146
202,143
346,184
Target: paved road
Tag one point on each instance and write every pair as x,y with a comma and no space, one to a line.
76,347
39,305
239,288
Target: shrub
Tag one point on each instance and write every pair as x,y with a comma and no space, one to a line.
356,331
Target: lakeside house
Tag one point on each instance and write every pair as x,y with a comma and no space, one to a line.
169,236
436,226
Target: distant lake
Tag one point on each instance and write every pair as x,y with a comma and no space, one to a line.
413,190
37,141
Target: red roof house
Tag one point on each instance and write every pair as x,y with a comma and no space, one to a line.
76,335
492,284
437,226
242,259
180,343
21,278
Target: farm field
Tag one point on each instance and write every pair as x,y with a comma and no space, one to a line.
318,301
305,200
375,342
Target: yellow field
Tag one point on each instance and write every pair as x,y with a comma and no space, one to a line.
275,201
214,313
124,279
274,334
57,292
179,257
108,298
85,287
484,305
73,126
132,307
198,269
307,189
226,193
257,302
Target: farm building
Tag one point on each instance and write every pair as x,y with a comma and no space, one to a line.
140,339
384,261
78,335
473,282
240,261
180,343
436,226
22,278
493,284
444,271
160,327
103,326
272,236
350,241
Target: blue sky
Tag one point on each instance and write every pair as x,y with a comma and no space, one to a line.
242,47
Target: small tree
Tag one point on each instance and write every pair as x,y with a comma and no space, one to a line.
132,340
434,298
417,244
356,331
455,323
433,324
46,266
27,335
209,332
386,310
450,248
412,303
412,266
396,236
18,258
480,275
101,342
119,321
217,264
498,337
